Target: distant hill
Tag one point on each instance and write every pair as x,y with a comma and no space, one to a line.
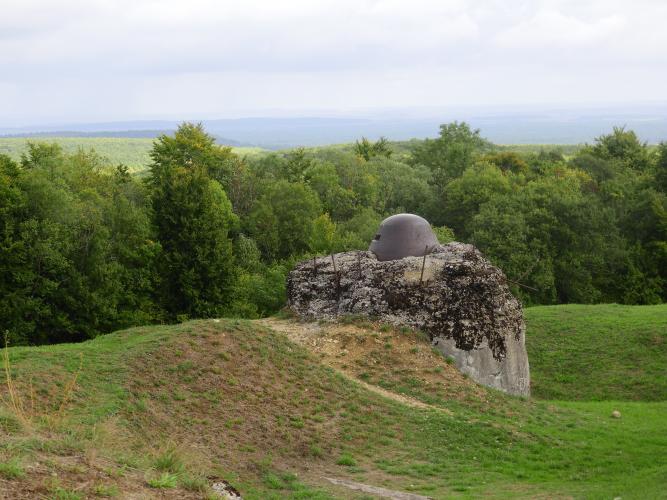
545,126
124,134
133,134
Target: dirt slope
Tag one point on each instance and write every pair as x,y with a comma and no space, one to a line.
377,355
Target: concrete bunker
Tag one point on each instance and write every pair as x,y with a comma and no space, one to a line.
451,292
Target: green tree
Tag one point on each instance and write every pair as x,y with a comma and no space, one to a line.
295,165
191,146
623,146
449,155
71,270
336,200
258,294
508,161
323,236
193,219
463,196
358,177
357,232
366,149
282,220
402,187
661,167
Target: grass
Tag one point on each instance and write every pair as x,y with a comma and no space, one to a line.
103,490
346,460
64,494
598,352
169,461
11,469
164,480
278,421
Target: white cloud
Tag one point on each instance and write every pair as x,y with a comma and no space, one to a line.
550,28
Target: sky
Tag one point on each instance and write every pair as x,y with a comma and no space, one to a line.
67,61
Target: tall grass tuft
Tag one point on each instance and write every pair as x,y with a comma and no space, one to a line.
23,407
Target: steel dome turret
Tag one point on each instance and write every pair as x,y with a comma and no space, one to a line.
403,235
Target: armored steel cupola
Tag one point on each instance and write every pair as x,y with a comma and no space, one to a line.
403,235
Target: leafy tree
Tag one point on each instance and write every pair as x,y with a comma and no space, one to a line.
133,246
444,234
357,232
451,153
357,176
338,201
403,188
247,253
13,258
46,157
244,187
508,161
71,269
282,220
295,165
193,219
463,197
323,236
366,149
661,167
623,146
191,146
598,168
258,294
535,235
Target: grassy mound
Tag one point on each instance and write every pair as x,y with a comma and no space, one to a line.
161,412
598,352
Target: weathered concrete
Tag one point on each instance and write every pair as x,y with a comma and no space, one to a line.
459,299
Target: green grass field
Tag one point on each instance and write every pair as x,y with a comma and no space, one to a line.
165,410
600,352
131,152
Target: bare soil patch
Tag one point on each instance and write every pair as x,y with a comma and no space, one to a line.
383,359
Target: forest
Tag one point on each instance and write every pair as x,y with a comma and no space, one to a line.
86,247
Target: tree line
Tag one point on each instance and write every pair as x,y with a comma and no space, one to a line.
87,248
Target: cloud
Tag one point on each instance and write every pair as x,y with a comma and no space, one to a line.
551,28
68,59
204,35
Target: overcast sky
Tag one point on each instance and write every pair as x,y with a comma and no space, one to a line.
98,60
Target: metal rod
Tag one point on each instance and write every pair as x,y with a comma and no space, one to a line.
421,276
333,261
522,285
